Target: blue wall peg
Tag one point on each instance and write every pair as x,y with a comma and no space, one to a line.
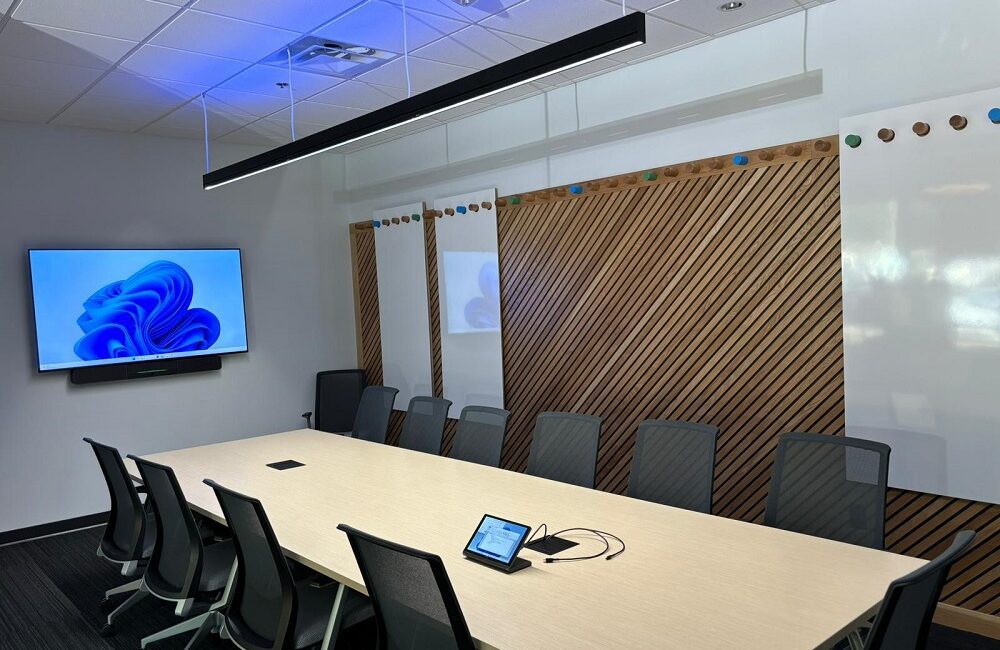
376,224
461,209
741,159
576,189
994,115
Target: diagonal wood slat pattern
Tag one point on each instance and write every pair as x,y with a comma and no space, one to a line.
713,298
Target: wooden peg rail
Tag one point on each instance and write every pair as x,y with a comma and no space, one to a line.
736,161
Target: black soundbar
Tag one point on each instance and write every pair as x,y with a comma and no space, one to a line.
144,369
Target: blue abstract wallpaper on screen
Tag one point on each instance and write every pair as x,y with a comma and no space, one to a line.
148,313
95,307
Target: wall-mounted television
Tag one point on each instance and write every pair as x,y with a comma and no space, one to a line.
101,307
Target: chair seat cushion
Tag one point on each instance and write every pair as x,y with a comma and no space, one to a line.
217,562
315,604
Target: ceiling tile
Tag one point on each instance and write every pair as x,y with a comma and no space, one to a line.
264,79
230,38
706,17
660,37
122,85
553,20
61,46
269,132
177,65
424,74
38,101
234,101
41,74
130,113
355,94
128,19
315,113
478,47
297,15
90,122
379,25
190,117
448,8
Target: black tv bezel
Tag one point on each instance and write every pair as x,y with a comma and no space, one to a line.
206,353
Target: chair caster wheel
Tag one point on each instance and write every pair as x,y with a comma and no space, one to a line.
106,605
108,630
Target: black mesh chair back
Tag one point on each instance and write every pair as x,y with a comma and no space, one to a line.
564,448
372,421
674,464
830,486
338,394
904,618
174,569
480,434
414,602
423,429
261,610
123,536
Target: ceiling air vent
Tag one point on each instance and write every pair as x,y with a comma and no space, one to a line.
332,58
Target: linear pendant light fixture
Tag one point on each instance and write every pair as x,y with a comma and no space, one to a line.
621,34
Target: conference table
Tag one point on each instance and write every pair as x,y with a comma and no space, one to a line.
686,580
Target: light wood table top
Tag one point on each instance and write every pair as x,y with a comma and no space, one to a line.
688,580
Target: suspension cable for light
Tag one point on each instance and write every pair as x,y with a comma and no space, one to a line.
621,34
406,55
291,94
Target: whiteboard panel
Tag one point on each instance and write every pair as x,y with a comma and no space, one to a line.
401,264
469,297
921,272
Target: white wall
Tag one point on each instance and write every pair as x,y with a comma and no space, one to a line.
62,187
872,54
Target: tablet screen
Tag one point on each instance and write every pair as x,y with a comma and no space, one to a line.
498,540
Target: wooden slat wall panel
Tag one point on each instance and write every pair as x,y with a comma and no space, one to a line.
714,298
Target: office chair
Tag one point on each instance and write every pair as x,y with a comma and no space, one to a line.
480,435
182,569
674,464
131,530
830,486
267,608
564,448
904,618
415,604
372,420
338,393
423,428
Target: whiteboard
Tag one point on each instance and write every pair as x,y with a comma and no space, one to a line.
404,320
469,300
921,272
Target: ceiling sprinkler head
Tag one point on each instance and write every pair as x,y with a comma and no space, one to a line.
464,3
282,84
730,6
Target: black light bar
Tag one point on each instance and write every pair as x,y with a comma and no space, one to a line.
621,34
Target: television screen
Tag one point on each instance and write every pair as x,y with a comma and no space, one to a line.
96,307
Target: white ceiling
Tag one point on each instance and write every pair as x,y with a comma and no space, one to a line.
143,65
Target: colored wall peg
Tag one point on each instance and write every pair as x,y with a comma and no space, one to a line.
821,145
415,217
611,182
449,211
958,122
376,224
715,163
405,218
593,186
631,180
670,172
921,128
576,189
766,155
741,159
994,115
649,176
395,221
693,168
516,200
853,140
559,191
461,209
793,150
502,203
488,206
386,222
886,135
474,207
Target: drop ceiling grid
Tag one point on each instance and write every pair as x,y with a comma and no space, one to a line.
440,21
